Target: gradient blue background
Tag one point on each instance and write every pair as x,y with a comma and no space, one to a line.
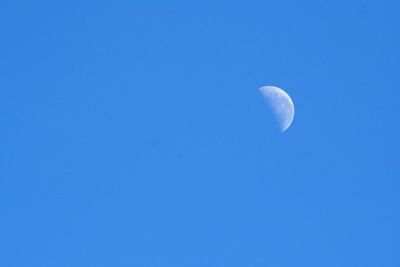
133,133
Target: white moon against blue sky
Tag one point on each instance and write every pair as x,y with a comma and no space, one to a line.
281,105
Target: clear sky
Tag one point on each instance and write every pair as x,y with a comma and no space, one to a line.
133,133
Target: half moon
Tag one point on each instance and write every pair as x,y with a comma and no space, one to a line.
281,104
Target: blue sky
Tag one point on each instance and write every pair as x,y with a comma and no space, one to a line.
133,133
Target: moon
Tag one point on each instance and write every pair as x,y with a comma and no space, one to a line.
281,104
